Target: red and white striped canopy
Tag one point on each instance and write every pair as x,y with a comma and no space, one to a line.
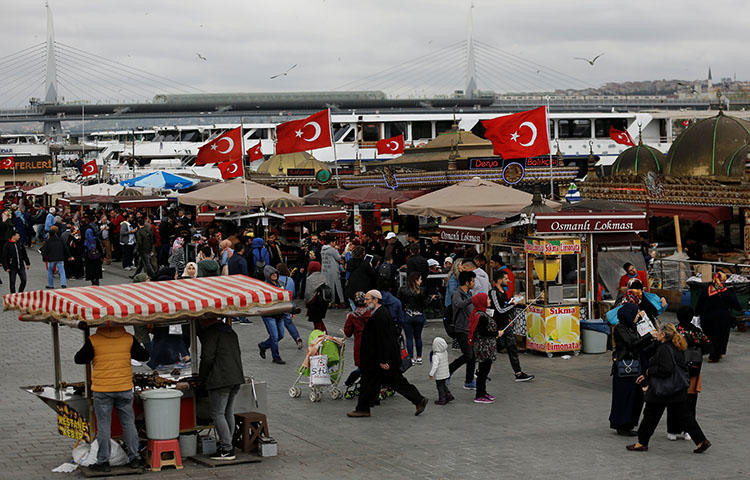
151,302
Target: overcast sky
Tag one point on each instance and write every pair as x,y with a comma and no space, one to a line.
334,42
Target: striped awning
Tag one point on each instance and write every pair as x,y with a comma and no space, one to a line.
151,302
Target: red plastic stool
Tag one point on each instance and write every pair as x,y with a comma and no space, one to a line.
158,449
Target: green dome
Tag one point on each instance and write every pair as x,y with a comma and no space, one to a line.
640,159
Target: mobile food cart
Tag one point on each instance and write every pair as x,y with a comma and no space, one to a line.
553,294
147,303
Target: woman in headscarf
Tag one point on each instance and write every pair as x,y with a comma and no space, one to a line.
191,270
483,336
177,255
317,306
715,309
93,253
627,397
634,295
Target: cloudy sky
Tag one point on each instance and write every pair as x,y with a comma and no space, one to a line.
345,43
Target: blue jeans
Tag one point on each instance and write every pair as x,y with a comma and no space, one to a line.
413,325
103,404
275,329
221,404
51,269
289,324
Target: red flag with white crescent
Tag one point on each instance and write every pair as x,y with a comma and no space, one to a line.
254,153
7,163
391,145
306,134
89,168
621,136
224,148
520,135
231,169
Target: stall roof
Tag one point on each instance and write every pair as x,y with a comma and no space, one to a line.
471,222
311,213
150,302
236,192
705,214
124,202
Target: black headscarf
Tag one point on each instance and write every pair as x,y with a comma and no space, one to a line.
626,315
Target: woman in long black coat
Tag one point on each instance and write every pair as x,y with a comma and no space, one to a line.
627,397
715,309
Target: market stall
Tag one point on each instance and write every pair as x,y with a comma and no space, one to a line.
148,303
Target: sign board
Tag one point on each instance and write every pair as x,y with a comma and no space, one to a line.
300,172
616,222
31,164
323,176
482,163
552,246
70,423
553,328
460,235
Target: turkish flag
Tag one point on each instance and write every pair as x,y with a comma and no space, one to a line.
7,163
306,134
231,169
254,153
391,145
520,135
226,147
89,168
621,136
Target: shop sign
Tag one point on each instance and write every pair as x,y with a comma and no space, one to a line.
591,223
481,163
35,164
70,423
553,329
300,172
552,247
457,235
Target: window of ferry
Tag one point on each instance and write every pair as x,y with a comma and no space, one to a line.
393,129
258,133
190,136
602,126
343,132
574,128
442,126
370,132
421,130
551,129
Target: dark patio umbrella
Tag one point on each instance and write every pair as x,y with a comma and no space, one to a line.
378,195
323,197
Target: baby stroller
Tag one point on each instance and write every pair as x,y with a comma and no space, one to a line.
333,348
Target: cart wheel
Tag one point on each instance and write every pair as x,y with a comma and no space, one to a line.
313,396
336,393
549,355
318,396
295,392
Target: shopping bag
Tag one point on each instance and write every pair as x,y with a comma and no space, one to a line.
655,300
319,374
612,315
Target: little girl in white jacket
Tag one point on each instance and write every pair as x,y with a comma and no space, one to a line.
439,371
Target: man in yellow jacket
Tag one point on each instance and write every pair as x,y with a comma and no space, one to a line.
109,350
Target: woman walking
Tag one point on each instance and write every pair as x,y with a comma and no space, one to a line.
412,297
93,254
715,309
318,296
177,256
483,336
665,384
627,396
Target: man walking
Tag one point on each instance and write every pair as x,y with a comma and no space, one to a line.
380,360
144,246
109,351
54,252
462,307
13,258
221,373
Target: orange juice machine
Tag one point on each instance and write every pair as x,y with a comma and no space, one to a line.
553,294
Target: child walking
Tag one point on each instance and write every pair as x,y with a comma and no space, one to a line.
439,371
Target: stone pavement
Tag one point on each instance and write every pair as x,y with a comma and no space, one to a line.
555,426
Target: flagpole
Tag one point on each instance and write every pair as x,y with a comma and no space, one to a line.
242,147
83,150
551,180
333,144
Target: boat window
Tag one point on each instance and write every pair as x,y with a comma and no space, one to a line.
393,129
579,128
602,126
421,130
190,137
442,126
370,132
256,134
551,129
170,137
343,132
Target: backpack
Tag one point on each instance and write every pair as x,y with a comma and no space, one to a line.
385,273
325,293
260,264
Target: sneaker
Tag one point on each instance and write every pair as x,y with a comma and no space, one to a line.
418,361
678,436
299,344
224,454
47,286
484,400
470,386
522,377
100,467
279,361
491,397
136,463
262,351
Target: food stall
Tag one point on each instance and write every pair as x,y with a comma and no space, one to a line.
553,294
147,303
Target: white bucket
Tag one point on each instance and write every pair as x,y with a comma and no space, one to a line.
161,409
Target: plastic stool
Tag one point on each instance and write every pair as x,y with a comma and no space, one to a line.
157,449
248,427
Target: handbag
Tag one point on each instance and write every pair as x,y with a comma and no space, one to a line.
694,360
628,368
406,362
673,384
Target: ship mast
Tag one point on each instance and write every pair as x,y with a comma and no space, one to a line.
471,65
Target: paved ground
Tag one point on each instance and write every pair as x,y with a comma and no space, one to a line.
555,426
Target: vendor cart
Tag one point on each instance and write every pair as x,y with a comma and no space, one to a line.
147,303
553,294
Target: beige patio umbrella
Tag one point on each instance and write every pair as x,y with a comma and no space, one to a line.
469,197
234,194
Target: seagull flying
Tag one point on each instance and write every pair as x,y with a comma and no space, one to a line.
592,61
201,57
284,74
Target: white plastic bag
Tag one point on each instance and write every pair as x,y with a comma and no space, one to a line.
85,454
696,321
319,374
